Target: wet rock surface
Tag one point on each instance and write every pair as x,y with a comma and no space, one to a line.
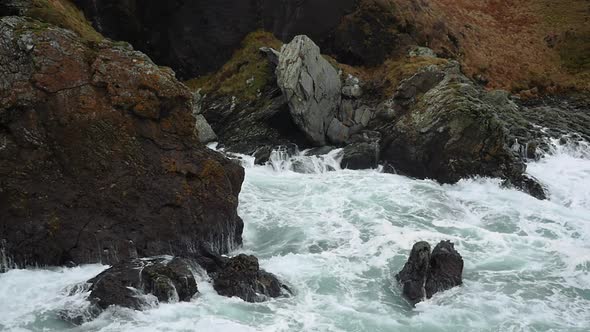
426,273
143,283
97,149
446,128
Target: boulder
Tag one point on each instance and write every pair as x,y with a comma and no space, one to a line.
426,273
143,283
98,148
241,276
311,86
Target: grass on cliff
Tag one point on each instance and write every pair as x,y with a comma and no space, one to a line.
245,74
64,14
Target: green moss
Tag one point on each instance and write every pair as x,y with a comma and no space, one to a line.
64,14
245,74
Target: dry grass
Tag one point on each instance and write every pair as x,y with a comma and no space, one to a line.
64,14
245,74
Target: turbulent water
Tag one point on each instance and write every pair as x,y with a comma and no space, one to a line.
338,238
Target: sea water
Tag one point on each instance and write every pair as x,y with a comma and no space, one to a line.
338,237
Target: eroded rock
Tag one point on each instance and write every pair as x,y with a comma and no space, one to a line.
426,273
311,86
98,148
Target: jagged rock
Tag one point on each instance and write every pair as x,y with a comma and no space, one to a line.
319,151
446,269
447,129
143,283
204,130
99,148
242,277
263,154
362,152
311,85
426,273
415,272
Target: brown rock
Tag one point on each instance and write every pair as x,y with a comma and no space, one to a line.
97,149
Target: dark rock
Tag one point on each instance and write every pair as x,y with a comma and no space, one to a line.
363,152
446,269
263,154
529,185
129,284
99,148
196,37
245,126
241,276
415,272
450,132
426,273
272,55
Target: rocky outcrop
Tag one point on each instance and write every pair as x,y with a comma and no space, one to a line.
445,128
426,273
98,155
311,86
241,276
143,283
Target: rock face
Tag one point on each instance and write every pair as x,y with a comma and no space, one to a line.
311,85
194,37
426,273
445,128
143,283
363,152
98,155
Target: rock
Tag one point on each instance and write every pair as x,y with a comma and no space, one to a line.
99,149
529,185
420,51
271,54
446,269
352,87
204,130
311,86
264,153
447,129
426,273
363,152
415,272
241,276
143,283
319,151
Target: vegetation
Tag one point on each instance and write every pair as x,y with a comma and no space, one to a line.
64,14
245,74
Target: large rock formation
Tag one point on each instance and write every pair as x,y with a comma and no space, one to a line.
98,155
311,85
426,273
445,128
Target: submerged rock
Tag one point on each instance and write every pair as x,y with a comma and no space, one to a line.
311,86
143,283
97,148
241,276
426,273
